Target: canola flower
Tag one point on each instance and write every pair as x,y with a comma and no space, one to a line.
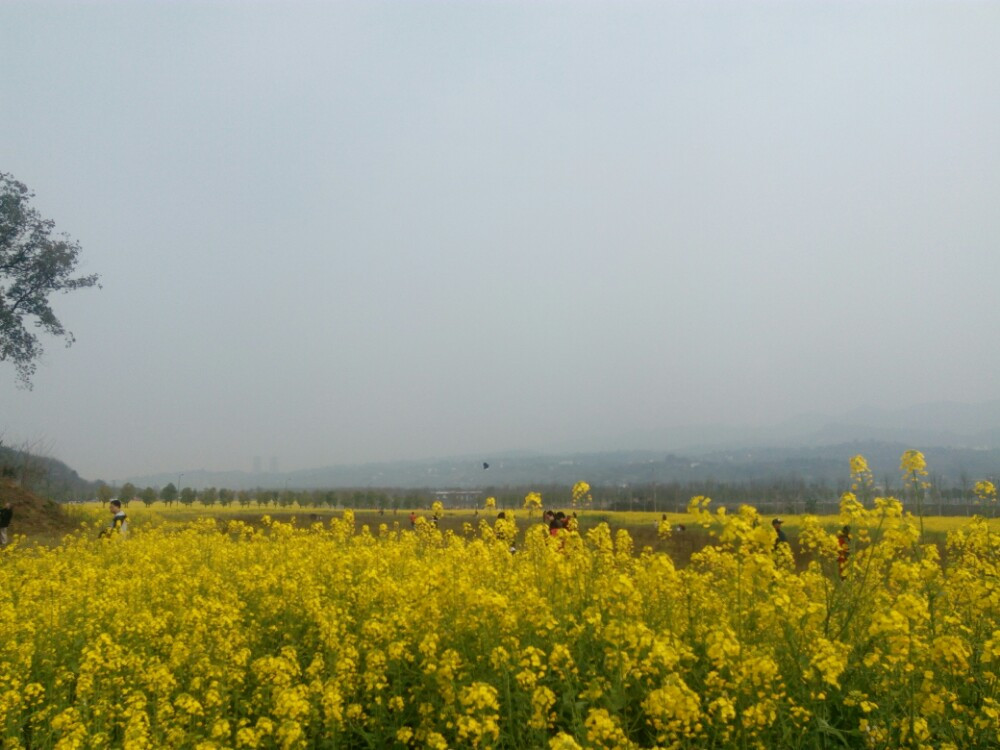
862,479
914,467
985,490
859,465
533,502
227,636
581,493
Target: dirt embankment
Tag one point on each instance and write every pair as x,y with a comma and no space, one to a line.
33,514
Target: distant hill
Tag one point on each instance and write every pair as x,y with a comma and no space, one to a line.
961,443
827,464
942,424
47,477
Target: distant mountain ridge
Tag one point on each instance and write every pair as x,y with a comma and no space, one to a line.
952,425
44,475
962,442
819,465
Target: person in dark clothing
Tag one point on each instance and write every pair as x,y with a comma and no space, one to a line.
6,514
780,537
843,550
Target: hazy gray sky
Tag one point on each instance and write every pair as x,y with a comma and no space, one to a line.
346,232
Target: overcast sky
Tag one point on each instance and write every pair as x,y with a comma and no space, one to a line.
349,232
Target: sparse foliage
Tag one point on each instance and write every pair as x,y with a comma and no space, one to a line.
33,264
104,494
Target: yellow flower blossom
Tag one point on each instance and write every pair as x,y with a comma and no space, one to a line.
985,490
207,635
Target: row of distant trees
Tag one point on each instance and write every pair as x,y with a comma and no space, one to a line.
791,495
367,498
211,496
786,495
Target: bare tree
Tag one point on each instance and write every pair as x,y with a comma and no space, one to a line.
31,466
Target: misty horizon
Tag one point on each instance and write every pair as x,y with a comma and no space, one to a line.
973,426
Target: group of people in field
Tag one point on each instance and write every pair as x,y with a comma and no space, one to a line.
435,519
843,544
556,520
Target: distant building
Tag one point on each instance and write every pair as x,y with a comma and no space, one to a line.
458,498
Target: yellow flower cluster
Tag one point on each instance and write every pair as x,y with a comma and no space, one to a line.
218,635
985,490
862,479
913,461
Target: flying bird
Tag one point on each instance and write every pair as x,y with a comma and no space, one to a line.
485,466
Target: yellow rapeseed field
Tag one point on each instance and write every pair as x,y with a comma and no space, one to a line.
222,635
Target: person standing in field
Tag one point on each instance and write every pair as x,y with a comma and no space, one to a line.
6,514
506,531
843,550
554,526
119,521
780,537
